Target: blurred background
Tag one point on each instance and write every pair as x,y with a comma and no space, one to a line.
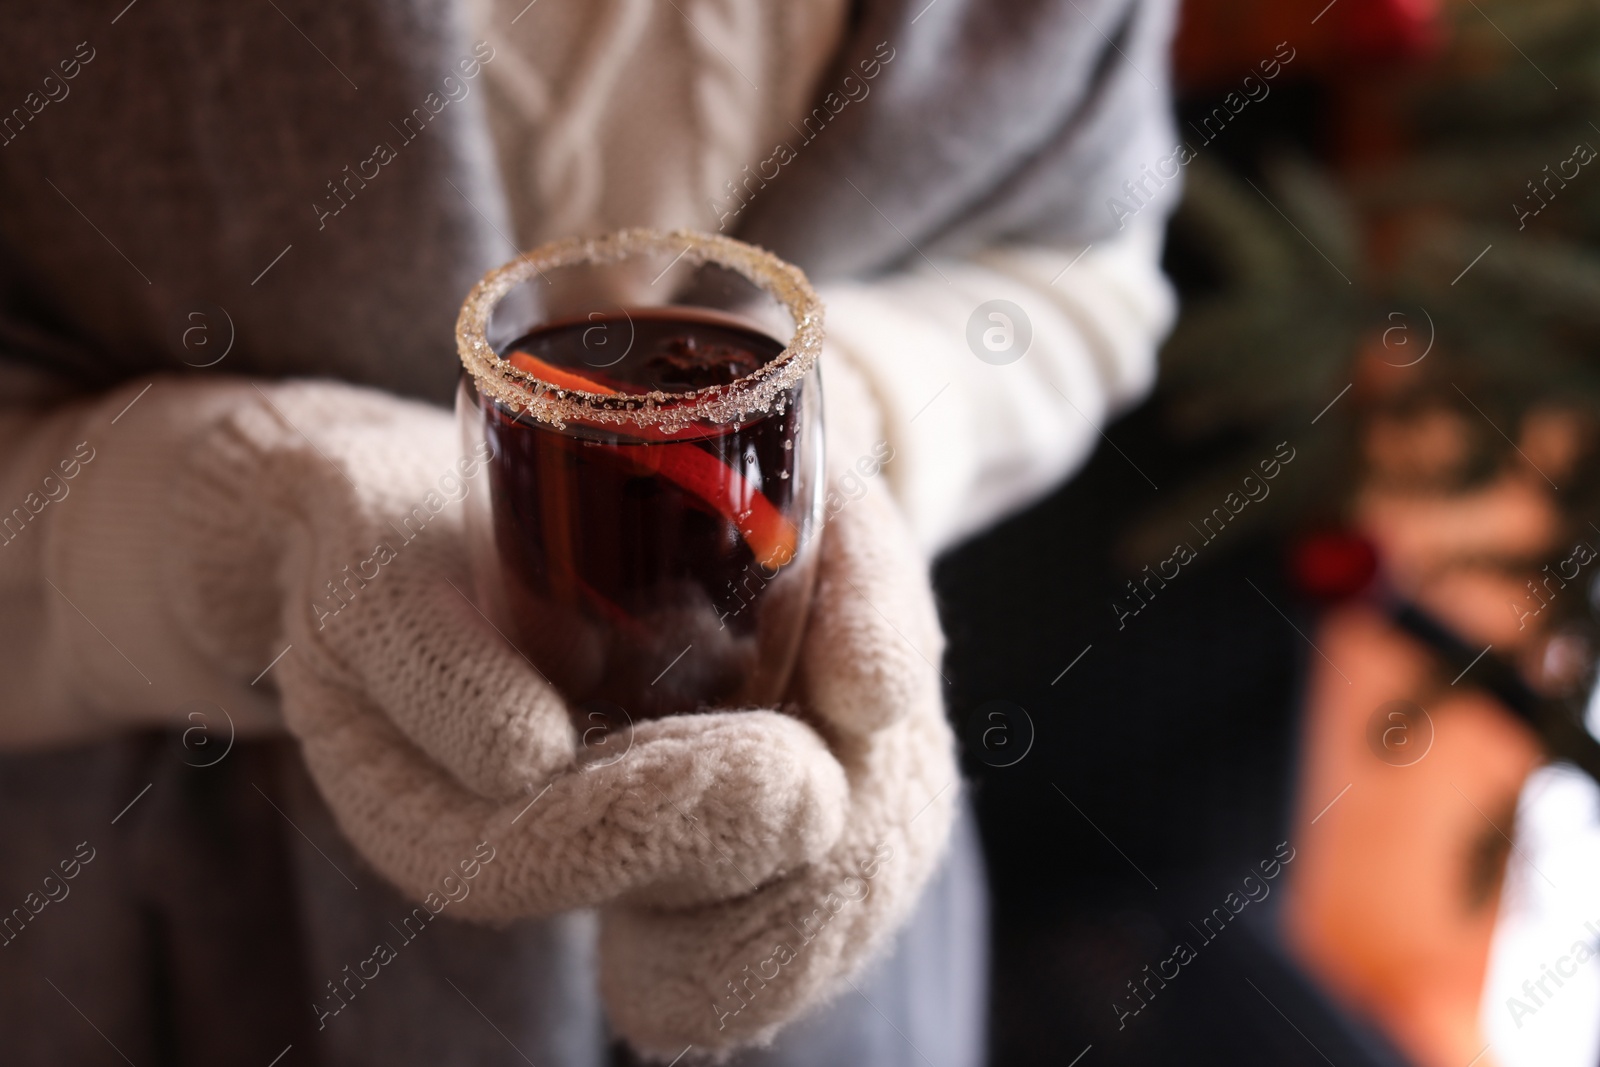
1307,700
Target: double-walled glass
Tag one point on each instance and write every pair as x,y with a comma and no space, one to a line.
650,410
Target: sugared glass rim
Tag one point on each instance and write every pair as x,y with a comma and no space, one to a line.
752,394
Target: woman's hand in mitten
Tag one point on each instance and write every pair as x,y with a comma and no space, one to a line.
731,973
323,517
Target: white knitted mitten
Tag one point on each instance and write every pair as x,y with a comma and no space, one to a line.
323,512
723,975
748,861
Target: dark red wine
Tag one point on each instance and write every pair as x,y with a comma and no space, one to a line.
659,572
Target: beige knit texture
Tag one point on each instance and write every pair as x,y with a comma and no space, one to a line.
428,733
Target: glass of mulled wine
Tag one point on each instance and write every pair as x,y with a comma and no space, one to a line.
650,410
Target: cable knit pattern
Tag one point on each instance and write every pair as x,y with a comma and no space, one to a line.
567,164
636,113
727,105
